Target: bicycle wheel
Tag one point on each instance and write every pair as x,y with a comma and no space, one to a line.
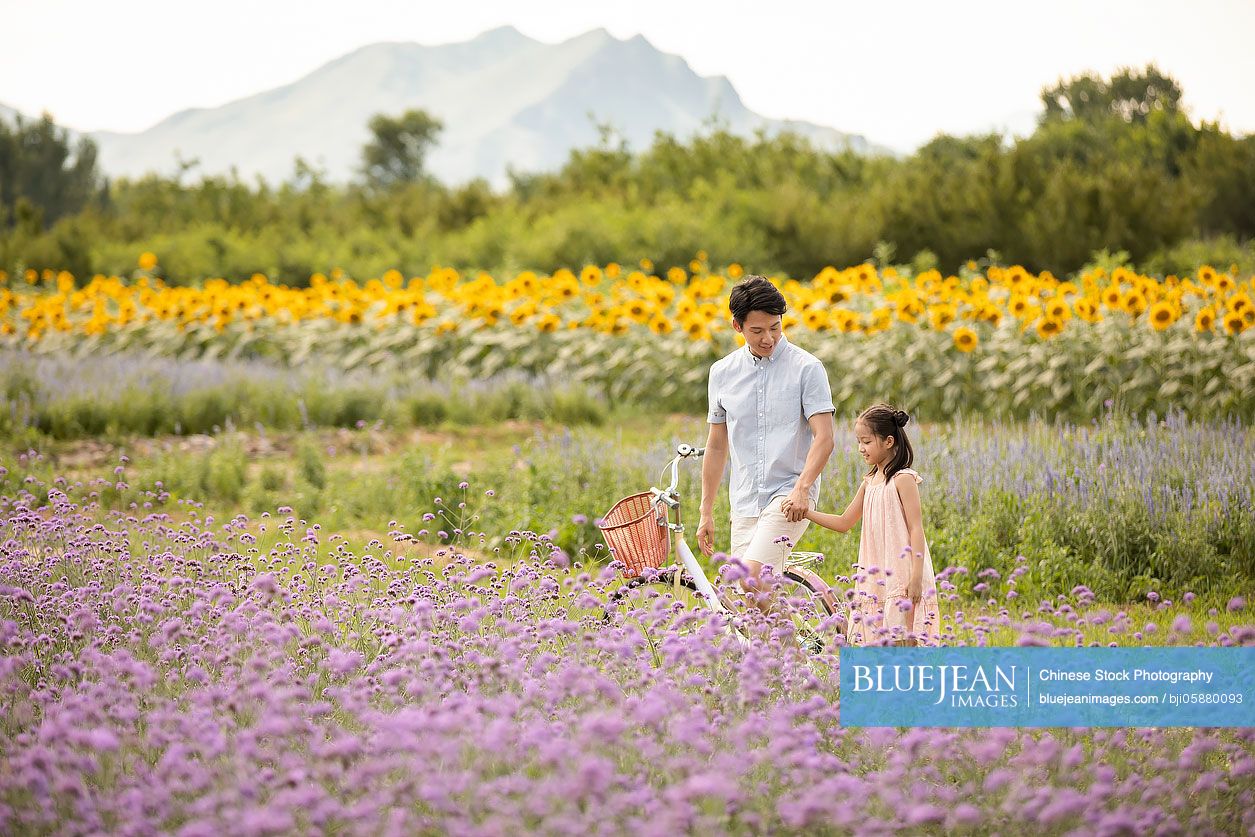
811,608
654,598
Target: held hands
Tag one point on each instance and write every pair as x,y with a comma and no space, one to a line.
796,505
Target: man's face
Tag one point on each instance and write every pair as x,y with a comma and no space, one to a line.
761,332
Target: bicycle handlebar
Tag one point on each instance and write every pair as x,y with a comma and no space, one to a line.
668,496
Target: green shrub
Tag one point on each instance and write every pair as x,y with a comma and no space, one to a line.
309,463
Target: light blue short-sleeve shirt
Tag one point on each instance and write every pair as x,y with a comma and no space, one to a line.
766,403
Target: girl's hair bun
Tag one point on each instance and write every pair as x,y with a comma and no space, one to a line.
900,418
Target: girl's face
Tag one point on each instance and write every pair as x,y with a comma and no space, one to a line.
874,449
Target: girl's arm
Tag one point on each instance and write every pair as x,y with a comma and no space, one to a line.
908,491
844,521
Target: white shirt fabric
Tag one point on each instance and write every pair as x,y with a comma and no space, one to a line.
766,403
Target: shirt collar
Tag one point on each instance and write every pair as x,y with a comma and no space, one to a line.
775,353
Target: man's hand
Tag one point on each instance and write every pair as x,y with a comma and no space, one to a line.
706,535
796,505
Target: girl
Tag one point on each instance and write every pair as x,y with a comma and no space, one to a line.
895,588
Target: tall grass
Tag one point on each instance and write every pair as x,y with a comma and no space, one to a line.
122,395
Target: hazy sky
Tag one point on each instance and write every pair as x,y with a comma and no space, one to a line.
898,73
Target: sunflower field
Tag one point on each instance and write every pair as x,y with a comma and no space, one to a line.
992,340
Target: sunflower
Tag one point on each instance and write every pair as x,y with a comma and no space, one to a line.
1207,274
1162,315
965,339
422,312
1058,309
1234,322
522,314
1204,320
1048,327
659,324
1087,310
942,316
815,319
1134,303
905,312
637,311
528,281
847,321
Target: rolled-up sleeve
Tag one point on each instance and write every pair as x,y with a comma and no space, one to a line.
816,394
716,414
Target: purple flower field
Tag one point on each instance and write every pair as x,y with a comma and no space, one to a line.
164,672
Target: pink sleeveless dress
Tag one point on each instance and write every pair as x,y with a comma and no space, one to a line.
883,571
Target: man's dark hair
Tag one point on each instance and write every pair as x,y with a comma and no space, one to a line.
755,293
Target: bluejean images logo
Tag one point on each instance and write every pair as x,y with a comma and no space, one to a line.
957,685
1048,687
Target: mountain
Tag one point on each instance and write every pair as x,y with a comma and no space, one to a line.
505,99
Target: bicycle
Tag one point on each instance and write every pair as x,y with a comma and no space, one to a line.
638,530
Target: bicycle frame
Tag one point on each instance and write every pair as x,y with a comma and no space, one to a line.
671,499
796,565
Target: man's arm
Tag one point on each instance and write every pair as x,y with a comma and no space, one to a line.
712,474
822,444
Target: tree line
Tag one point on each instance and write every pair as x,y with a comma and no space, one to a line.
1114,166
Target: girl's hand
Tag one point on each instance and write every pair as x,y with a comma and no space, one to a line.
915,588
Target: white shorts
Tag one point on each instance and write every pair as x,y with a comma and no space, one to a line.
754,538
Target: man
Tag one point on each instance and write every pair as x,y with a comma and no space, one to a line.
771,409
